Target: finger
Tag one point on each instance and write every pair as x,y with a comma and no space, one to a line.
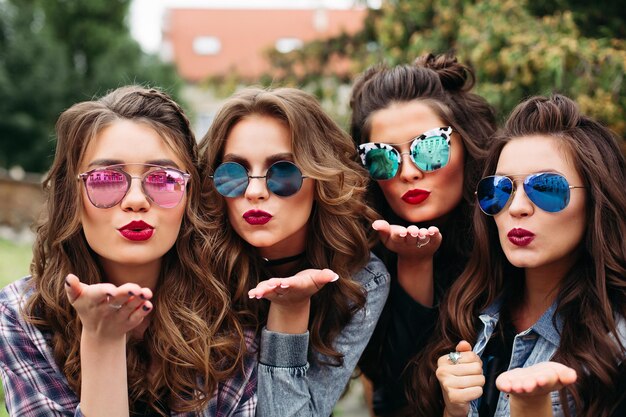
463,346
397,233
72,287
381,226
413,230
433,230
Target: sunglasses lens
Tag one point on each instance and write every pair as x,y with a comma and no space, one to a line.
165,187
284,179
382,163
493,193
548,191
430,153
106,187
231,179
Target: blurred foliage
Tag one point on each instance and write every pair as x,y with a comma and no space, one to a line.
54,53
569,46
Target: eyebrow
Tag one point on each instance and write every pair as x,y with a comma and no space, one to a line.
284,156
108,162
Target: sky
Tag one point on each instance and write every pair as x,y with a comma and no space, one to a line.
146,15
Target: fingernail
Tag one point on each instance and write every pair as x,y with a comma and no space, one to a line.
67,283
284,285
272,286
258,297
335,278
250,296
145,308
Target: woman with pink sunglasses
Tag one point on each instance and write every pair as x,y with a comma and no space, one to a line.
421,134
120,316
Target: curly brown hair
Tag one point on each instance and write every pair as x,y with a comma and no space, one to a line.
192,335
591,297
340,216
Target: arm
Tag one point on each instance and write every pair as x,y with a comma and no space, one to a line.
289,386
530,388
107,314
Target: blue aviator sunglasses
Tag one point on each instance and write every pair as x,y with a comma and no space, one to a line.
282,178
547,190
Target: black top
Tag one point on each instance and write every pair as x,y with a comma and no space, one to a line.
496,359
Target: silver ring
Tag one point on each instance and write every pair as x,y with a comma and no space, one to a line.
115,306
424,243
454,357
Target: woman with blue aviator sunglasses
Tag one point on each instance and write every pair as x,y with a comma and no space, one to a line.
421,134
285,198
535,324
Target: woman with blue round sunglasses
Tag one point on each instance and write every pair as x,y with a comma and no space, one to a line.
285,199
535,325
421,134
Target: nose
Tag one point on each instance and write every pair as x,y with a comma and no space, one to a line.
257,188
520,205
408,171
135,199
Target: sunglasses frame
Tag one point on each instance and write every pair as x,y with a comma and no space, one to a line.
444,132
524,185
249,177
129,178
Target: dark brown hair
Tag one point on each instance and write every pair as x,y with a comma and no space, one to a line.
192,333
592,296
444,85
324,153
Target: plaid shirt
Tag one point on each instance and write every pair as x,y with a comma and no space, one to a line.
34,386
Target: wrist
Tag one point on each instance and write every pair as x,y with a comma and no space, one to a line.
535,405
289,318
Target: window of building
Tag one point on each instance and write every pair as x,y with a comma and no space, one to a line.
207,45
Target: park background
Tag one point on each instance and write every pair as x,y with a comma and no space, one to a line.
54,53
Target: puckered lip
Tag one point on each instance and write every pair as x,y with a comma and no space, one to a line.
415,196
519,232
256,213
136,225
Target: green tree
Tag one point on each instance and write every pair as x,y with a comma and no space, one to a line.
516,50
54,53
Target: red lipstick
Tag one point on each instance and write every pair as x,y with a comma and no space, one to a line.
137,231
257,217
415,196
520,237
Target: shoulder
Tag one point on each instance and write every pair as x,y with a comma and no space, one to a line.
13,296
373,275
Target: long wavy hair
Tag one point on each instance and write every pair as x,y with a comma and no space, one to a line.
192,336
337,237
444,85
591,297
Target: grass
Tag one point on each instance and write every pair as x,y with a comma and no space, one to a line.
14,263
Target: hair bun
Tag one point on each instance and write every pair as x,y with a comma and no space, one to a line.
453,75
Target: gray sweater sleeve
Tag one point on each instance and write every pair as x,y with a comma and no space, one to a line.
289,386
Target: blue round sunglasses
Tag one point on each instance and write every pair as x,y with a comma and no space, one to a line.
282,178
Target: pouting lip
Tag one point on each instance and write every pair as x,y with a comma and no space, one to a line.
256,213
519,232
415,196
136,225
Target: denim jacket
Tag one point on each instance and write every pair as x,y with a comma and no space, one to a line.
289,386
535,344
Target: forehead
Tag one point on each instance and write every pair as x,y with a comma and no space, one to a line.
129,142
258,135
400,122
529,154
